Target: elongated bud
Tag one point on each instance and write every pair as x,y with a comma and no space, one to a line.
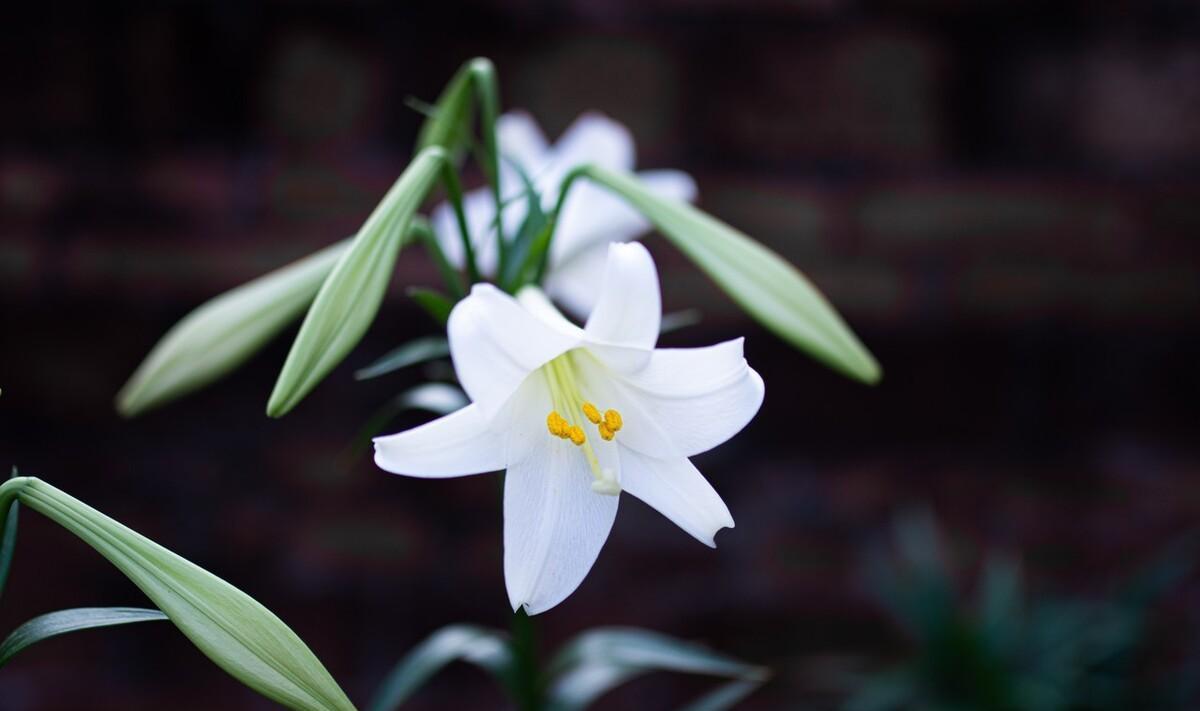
350,297
224,332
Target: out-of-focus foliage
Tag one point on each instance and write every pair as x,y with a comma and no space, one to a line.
587,667
1006,650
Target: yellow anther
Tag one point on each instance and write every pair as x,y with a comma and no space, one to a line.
612,419
557,425
576,434
590,411
606,432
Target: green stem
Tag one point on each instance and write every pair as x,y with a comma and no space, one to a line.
552,224
487,93
421,232
454,191
8,529
524,645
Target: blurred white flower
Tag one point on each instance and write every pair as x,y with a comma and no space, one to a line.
575,415
591,217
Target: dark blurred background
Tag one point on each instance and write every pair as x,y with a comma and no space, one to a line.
1002,197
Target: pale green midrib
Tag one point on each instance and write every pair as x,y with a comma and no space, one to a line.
36,498
136,559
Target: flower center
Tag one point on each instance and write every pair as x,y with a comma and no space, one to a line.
565,421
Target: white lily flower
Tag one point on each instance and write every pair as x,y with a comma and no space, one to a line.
575,415
591,216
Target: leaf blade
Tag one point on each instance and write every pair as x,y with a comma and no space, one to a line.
599,660
59,622
769,288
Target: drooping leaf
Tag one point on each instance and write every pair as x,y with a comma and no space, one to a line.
222,333
602,659
415,351
486,649
8,538
63,621
759,280
232,629
351,295
436,304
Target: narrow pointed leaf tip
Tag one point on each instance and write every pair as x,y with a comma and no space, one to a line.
232,629
773,291
63,621
224,332
351,295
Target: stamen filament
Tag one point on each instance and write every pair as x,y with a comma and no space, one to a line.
564,395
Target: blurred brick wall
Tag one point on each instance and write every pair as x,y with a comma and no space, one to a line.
1002,197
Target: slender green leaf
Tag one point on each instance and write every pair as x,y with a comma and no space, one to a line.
63,621
8,539
232,629
528,250
759,280
723,697
601,659
437,305
450,278
415,351
351,295
222,333
484,648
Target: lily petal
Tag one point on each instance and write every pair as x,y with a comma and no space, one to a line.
495,344
677,489
521,140
706,394
594,138
554,526
572,284
629,310
455,445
